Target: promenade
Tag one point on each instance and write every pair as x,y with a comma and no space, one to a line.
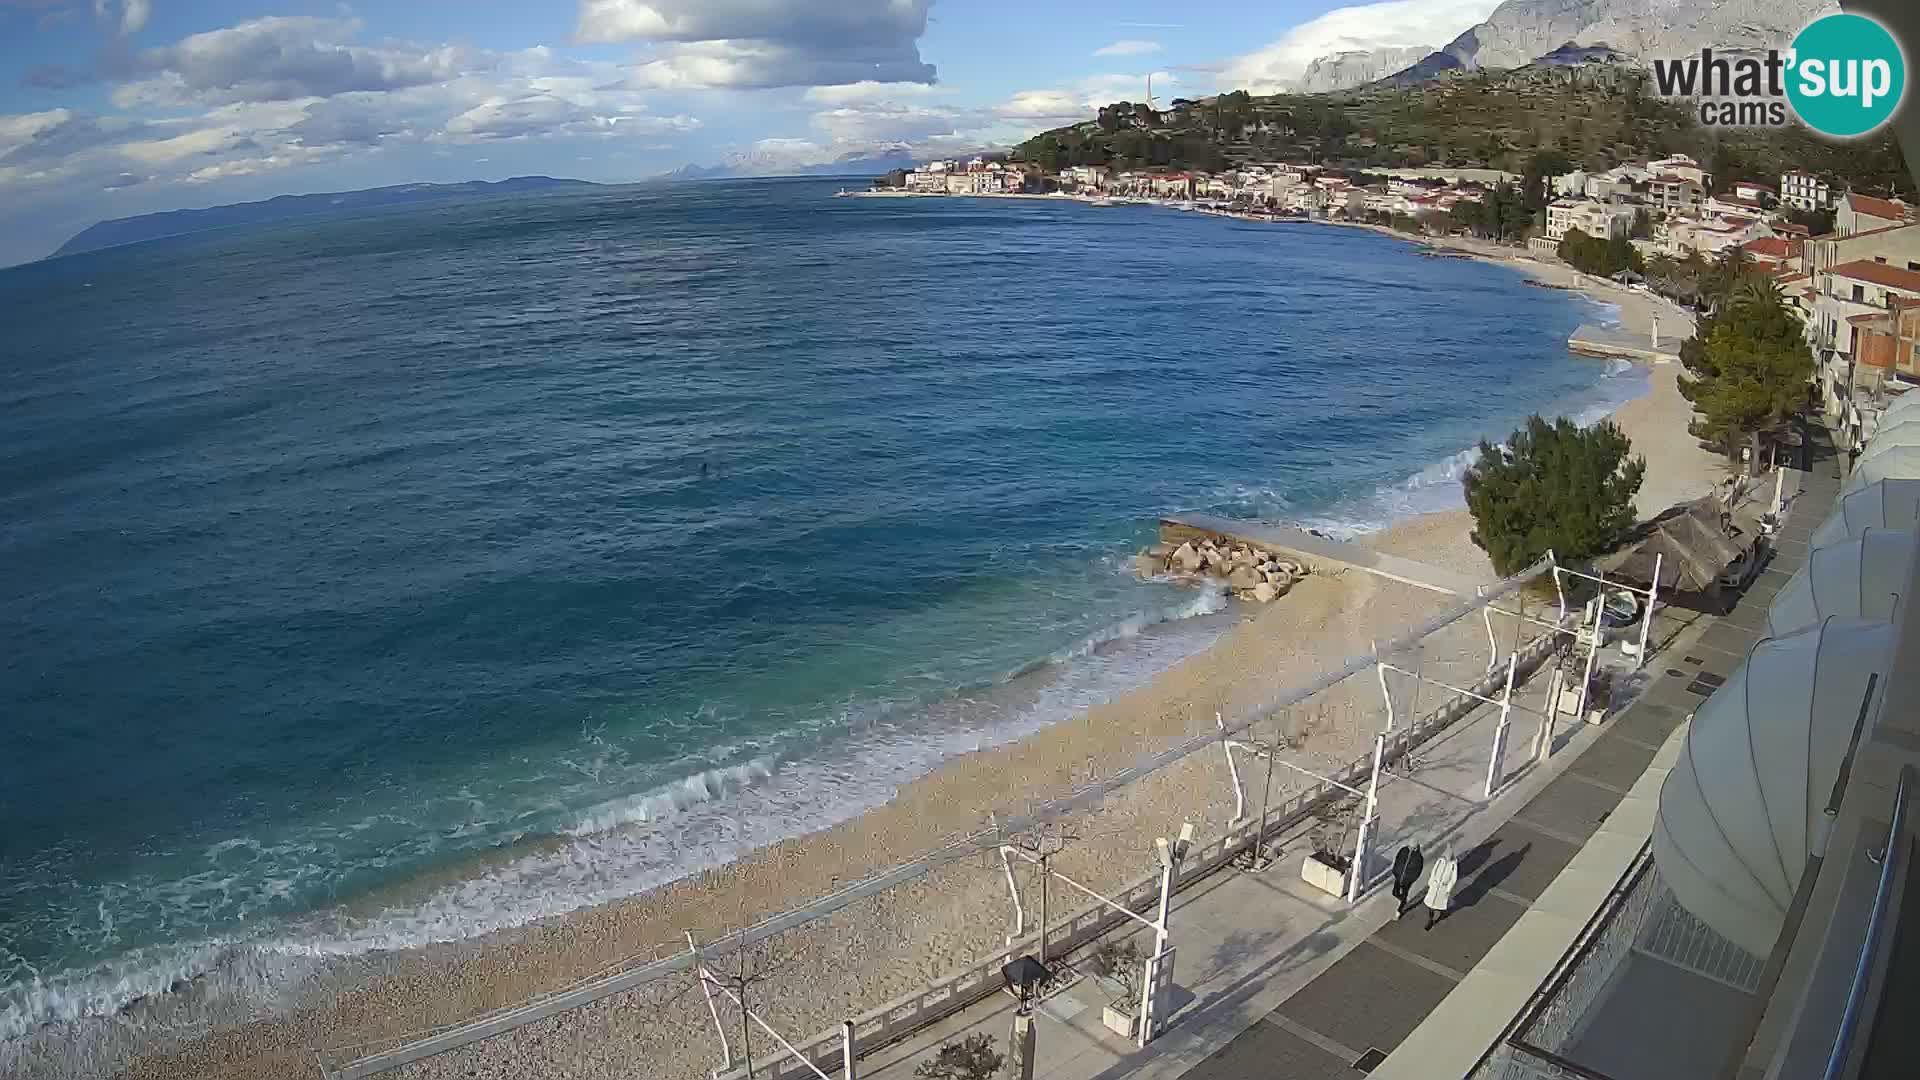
1276,979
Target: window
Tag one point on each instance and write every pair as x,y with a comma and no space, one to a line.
1881,259
1859,294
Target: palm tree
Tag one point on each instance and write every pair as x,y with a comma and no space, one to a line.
1754,292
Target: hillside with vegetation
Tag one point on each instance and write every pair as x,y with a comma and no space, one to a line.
1530,120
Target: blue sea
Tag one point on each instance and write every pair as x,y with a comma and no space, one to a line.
546,550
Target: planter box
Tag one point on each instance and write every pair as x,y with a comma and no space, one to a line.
1566,700
1119,1021
1328,879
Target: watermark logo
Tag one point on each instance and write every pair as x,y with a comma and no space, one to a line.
1849,76
1844,77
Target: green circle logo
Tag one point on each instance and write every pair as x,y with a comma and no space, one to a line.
1846,75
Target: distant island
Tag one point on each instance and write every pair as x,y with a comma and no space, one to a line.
762,165
133,230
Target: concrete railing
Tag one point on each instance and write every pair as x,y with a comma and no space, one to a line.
909,1013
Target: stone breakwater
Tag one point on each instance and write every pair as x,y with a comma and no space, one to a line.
1250,573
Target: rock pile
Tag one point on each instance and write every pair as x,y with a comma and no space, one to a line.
1250,573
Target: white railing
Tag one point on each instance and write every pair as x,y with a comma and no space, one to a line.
954,992
949,994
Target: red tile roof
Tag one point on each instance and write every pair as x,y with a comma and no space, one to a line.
1891,277
1865,232
1880,208
1769,246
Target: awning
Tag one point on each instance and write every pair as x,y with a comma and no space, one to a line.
1889,463
1896,431
1857,577
1692,549
1904,407
1892,504
1745,805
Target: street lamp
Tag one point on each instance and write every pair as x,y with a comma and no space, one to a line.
1024,977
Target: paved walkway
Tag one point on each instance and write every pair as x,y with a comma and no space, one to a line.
1366,1001
1278,980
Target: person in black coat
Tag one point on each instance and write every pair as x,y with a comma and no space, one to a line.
1407,864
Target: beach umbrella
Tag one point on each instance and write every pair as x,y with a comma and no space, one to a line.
1892,504
1745,805
1904,407
1859,577
1885,463
1904,431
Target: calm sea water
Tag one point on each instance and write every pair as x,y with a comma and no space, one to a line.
333,555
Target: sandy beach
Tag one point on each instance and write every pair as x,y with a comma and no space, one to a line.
890,944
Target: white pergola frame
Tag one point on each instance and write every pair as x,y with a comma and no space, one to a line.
1171,855
709,982
1269,754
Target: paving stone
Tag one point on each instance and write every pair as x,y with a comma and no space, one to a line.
1269,1050
1479,918
1369,998
1729,639
1571,807
1751,615
1647,721
1543,858
1614,761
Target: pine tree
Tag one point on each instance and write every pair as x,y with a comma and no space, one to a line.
1747,365
1553,486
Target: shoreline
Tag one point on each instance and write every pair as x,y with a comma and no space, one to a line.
922,929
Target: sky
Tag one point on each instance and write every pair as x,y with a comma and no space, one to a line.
111,108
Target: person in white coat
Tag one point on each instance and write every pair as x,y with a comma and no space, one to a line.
1440,882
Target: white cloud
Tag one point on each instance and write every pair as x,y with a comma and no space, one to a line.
891,123
281,58
791,21
865,92
123,16
1393,24
277,110
1066,104
742,64
546,115
763,43
1128,47
1043,104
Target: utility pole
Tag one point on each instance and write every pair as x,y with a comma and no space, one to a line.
1042,843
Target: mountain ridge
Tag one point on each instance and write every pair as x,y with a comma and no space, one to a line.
1357,67
1520,31
162,224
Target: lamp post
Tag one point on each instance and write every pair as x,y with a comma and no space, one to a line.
1024,977
1171,855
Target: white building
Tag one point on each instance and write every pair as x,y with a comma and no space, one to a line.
1859,213
1682,166
1720,207
1594,219
1805,191
1086,176
1675,194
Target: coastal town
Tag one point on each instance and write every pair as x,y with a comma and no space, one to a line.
1845,262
